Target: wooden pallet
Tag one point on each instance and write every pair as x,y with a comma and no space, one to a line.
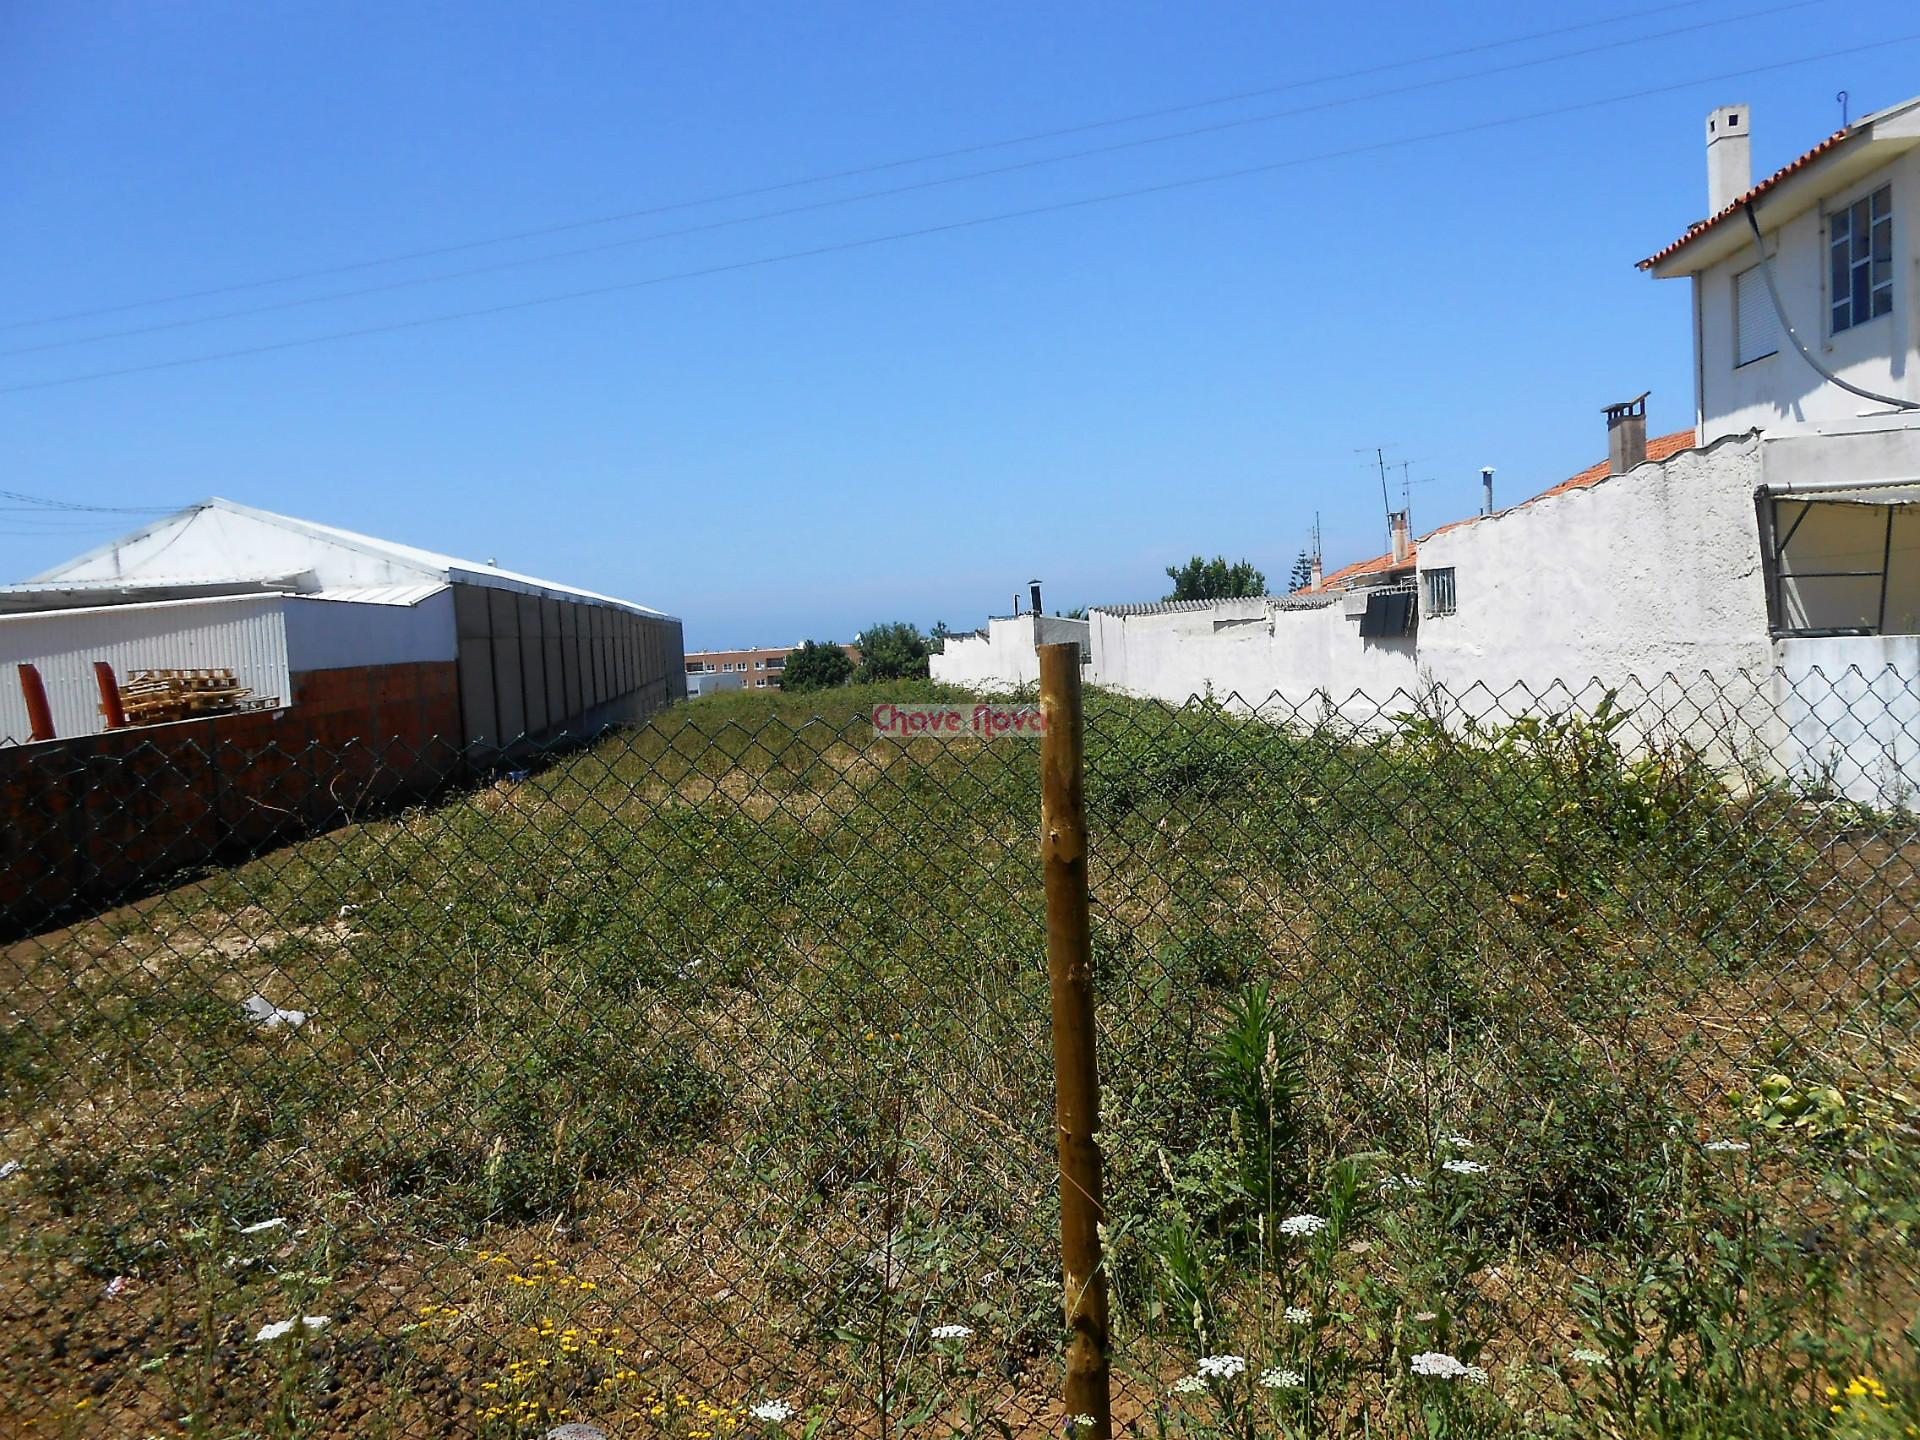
155,697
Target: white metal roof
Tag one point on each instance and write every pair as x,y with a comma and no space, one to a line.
127,560
378,594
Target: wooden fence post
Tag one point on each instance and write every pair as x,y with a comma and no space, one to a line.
1063,849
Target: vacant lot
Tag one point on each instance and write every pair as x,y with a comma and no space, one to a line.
708,1068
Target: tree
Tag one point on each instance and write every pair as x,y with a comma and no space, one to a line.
1215,579
816,665
937,638
895,650
1302,575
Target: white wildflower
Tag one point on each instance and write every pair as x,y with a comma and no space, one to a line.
1220,1367
1439,1366
1459,1142
254,1229
1464,1167
1589,1357
275,1329
1189,1385
1302,1225
772,1411
1299,1315
952,1332
1082,1422
1390,1183
9,1169
1725,1146
1280,1379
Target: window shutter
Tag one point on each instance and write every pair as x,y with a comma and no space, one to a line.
1756,328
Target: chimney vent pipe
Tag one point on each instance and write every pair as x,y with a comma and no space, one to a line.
1729,157
1627,434
1402,542
1486,489
1033,589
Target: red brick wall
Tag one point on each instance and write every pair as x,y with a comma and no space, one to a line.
96,819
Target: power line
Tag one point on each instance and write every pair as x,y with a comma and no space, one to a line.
41,504
938,182
868,169
951,226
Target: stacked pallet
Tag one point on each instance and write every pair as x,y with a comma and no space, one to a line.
153,697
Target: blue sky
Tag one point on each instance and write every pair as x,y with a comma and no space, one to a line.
910,428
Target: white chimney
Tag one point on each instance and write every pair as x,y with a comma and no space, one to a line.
1729,157
1315,577
1402,542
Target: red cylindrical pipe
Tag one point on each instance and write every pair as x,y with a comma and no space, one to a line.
39,712
110,706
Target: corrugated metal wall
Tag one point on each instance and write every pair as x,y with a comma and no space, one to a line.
536,666
244,634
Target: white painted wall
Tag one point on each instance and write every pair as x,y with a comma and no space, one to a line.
1650,583
1004,658
1645,574
1850,706
245,634
1649,573
1882,355
335,634
1255,654
263,639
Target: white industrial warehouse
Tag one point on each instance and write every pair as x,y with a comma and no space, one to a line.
299,612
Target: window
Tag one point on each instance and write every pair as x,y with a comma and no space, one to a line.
760,684
1439,585
1756,329
1860,260
779,664
759,664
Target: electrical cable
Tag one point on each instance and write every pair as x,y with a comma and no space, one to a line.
43,504
855,172
947,227
1751,206
917,185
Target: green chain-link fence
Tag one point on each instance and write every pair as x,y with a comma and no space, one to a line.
1528,1063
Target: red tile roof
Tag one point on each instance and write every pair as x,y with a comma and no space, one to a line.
1661,447
1701,227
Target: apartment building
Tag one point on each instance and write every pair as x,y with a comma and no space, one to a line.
758,668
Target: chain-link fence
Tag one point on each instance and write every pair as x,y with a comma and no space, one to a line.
1540,1062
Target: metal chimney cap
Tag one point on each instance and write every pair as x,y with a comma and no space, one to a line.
1626,408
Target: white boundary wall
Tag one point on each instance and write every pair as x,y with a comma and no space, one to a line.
1651,581
1649,573
1005,658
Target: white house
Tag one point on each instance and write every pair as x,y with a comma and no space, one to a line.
1841,232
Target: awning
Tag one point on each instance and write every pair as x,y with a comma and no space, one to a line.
1884,492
